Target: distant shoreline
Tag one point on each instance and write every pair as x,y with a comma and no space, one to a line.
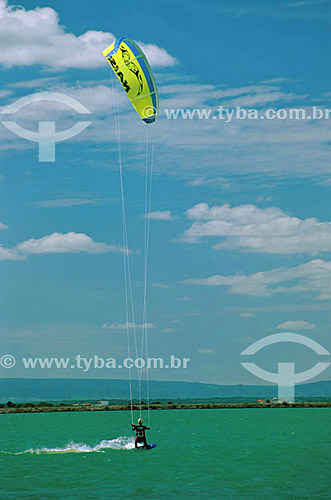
172,406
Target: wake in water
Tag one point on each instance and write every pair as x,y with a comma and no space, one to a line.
119,443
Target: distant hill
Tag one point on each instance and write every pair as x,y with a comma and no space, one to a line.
27,389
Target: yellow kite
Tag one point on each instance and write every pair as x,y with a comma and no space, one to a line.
131,67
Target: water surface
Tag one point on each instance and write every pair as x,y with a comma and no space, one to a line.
230,454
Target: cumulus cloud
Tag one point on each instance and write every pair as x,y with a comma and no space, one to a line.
157,57
247,315
296,325
313,278
3,226
251,229
57,243
160,215
10,254
64,243
29,37
125,326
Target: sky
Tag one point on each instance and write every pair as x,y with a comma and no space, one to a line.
240,232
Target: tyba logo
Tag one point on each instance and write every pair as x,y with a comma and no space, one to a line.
286,378
46,135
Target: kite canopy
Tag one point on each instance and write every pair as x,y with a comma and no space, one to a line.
131,67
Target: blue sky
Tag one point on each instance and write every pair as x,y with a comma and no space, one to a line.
246,246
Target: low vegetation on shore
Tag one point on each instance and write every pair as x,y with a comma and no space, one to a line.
44,407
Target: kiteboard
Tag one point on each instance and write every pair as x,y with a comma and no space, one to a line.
152,445
148,447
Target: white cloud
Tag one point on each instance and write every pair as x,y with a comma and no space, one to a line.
64,243
313,277
198,148
302,9
124,326
5,93
251,229
306,3
57,243
34,83
157,57
160,215
286,147
257,100
203,91
221,182
160,285
261,198
245,340
3,226
206,351
29,37
247,315
65,202
296,325
295,307
281,147
325,182
280,79
168,330
10,254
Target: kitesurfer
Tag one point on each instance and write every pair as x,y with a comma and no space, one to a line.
140,430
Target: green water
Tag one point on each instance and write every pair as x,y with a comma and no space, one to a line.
220,454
